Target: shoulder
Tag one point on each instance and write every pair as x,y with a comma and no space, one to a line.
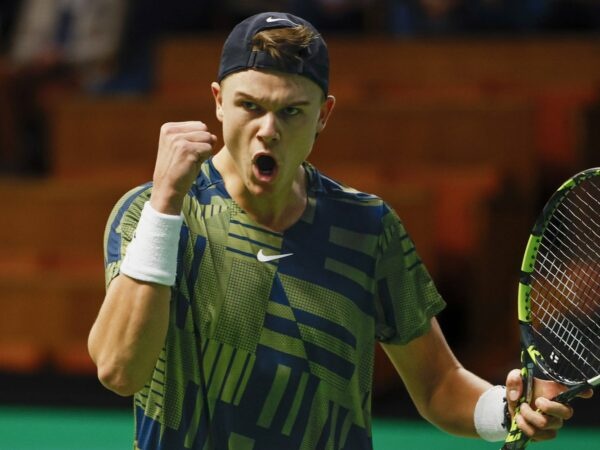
345,199
323,184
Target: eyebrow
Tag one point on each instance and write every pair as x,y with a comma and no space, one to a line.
246,95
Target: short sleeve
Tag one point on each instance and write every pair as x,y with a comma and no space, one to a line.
120,229
406,296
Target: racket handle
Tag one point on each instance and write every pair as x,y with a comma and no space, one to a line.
516,439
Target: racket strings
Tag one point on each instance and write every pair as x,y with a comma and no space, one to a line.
575,344
565,296
570,282
583,275
574,347
573,352
569,290
586,233
576,247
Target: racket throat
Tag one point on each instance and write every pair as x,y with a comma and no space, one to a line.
594,382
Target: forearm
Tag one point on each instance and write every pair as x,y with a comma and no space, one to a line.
452,404
442,390
129,333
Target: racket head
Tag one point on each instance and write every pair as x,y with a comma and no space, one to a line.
559,290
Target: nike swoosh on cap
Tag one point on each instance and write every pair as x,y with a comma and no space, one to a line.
266,258
271,19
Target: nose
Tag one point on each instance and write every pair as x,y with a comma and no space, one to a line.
268,131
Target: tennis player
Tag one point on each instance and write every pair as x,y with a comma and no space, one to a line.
246,289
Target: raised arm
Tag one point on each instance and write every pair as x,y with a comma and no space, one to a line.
129,332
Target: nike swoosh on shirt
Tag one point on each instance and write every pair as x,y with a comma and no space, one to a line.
266,258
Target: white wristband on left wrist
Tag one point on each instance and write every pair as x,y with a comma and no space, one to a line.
489,414
152,254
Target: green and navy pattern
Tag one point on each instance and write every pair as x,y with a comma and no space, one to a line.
276,354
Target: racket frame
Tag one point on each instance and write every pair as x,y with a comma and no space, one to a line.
530,356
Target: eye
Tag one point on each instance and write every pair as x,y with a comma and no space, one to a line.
291,111
249,106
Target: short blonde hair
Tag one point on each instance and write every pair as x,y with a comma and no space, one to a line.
284,44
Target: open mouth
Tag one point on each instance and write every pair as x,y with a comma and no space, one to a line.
266,165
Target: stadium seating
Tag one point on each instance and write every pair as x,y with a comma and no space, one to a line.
454,134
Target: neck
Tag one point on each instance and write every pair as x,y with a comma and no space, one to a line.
277,210
276,214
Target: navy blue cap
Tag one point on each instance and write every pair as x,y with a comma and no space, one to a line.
238,55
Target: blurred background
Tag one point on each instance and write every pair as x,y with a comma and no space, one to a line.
465,115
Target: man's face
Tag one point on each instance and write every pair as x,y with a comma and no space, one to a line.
270,121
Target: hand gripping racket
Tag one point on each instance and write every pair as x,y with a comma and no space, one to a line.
559,295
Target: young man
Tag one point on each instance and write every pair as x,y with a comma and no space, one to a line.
246,289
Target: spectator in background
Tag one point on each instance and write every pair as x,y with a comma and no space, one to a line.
508,16
346,16
235,10
146,24
425,17
79,35
468,17
572,16
335,15
8,12
56,45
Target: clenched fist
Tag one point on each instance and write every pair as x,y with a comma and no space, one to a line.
182,148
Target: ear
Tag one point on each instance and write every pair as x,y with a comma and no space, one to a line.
216,92
325,112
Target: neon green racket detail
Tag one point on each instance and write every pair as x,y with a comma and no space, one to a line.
559,295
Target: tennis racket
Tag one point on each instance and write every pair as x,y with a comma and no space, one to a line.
559,295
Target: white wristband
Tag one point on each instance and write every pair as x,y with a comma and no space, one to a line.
489,414
152,253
